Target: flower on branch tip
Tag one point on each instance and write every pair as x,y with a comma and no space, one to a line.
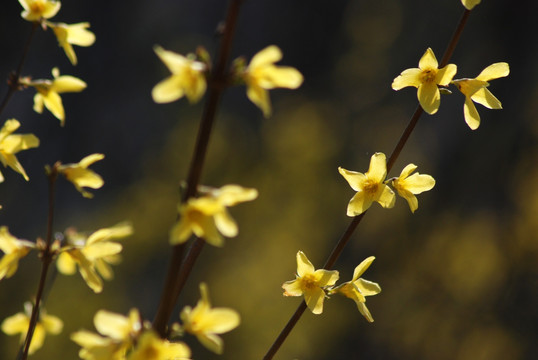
48,92
262,75
116,335
358,288
72,34
187,79
93,254
35,10
369,186
152,347
20,322
408,185
311,283
207,216
470,4
81,176
14,249
10,144
476,90
206,322
426,78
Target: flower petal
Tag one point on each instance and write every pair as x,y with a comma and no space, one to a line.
472,118
387,198
444,76
429,97
314,300
409,77
428,60
354,179
378,168
494,71
367,288
487,99
359,203
361,268
304,266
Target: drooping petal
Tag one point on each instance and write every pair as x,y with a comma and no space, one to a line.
168,90
53,102
429,97
226,224
180,232
314,300
472,118
487,99
260,97
211,342
65,264
364,311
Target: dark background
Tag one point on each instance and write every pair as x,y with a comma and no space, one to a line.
459,277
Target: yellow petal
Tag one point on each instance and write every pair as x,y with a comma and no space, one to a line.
472,118
37,339
268,55
470,4
361,268
260,98
293,288
428,60
78,34
65,264
219,320
226,224
101,249
444,76
53,102
173,61
180,232
116,232
304,266
494,71
367,288
38,103
279,76
364,311
418,183
230,195
314,300
387,198
211,342
359,203
168,90
429,97
113,325
378,168
409,77
51,324
355,179
18,142
487,99
326,277
66,83
16,324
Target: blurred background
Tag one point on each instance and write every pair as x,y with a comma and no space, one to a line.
459,277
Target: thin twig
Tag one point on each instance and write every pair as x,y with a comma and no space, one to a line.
46,258
355,222
177,274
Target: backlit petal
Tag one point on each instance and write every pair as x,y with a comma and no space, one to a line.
361,268
444,76
378,168
428,60
304,266
486,98
494,71
429,97
472,118
314,300
409,77
354,179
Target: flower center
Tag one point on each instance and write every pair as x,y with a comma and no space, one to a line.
309,282
428,75
371,187
37,7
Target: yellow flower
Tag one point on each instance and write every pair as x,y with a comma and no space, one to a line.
152,347
81,176
409,185
115,338
11,144
14,249
369,186
262,75
93,254
35,10
358,288
426,78
206,323
470,4
20,322
72,34
207,216
187,78
310,283
475,90
48,92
